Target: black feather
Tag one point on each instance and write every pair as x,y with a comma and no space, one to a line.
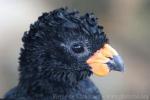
49,69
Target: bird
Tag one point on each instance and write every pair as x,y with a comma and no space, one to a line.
61,50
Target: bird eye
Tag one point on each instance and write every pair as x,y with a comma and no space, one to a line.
77,48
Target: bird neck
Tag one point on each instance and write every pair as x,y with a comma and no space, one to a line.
37,88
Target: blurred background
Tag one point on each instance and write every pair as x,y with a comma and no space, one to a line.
126,22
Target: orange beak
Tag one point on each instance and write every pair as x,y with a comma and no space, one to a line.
105,60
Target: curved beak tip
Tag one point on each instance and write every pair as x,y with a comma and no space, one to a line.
104,60
116,64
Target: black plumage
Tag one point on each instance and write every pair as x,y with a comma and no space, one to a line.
52,60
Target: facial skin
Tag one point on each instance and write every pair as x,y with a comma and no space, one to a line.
59,46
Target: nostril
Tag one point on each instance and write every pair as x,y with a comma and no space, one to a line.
110,58
111,64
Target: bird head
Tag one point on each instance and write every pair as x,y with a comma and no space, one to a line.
64,47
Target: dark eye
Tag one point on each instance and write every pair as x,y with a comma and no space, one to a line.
77,48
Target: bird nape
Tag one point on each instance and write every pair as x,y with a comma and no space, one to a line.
60,52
